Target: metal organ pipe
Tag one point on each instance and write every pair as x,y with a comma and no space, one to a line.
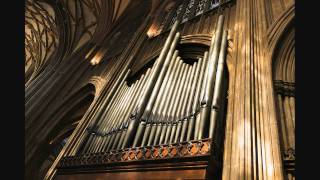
197,97
185,103
218,85
165,100
212,61
141,126
161,98
193,100
174,106
133,124
171,102
183,89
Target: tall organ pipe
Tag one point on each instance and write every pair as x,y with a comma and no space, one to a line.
198,96
134,100
193,100
186,103
218,85
141,125
184,88
165,101
112,119
133,125
127,111
91,140
175,100
113,94
207,100
162,97
174,85
157,87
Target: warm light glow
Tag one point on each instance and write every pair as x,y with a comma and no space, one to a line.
152,31
98,57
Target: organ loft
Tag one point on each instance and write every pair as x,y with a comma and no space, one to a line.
159,89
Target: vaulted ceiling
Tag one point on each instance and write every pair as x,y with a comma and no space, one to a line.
65,24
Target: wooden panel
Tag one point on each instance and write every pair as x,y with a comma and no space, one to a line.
154,175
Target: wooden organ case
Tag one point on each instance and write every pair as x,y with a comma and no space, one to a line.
165,118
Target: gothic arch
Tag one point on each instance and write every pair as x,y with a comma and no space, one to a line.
63,121
282,55
279,28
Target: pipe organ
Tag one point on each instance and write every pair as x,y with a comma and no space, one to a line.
179,89
169,109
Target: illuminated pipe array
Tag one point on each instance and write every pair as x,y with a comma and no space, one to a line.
172,102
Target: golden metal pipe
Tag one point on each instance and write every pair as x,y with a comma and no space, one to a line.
119,113
116,140
197,97
173,131
133,124
175,100
152,133
215,107
156,95
178,130
123,133
95,149
187,99
129,109
172,97
112,120
134,97
161,98
168,133
84,150
181,93
166,104
141,128
120,118
142,124
211,72
108,120
193,100
115,88
171,74
91,140
163,133
94,139
113,135
158,131
146,134
104,140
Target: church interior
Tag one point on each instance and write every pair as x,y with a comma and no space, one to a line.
159,89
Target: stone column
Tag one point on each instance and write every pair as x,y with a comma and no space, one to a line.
252,149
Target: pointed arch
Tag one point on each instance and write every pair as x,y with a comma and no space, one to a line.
281,44
62,122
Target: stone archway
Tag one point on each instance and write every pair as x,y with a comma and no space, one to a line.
67,117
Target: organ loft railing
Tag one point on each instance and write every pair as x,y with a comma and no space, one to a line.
171,109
